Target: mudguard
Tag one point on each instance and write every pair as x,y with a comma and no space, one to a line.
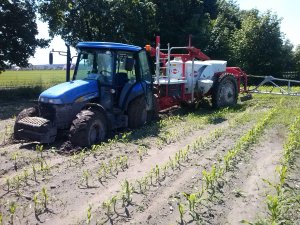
130,91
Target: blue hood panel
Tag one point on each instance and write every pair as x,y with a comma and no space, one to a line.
68,92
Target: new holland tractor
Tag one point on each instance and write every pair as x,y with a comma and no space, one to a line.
113,87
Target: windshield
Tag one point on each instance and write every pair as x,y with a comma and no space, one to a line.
96,65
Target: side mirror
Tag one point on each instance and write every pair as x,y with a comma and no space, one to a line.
50,58
129,63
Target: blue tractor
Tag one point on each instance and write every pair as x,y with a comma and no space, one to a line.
111,88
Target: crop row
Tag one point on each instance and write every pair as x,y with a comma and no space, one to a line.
283,200
158,174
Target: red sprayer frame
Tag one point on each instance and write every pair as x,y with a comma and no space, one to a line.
165,101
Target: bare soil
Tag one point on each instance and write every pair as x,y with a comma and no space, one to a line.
71,179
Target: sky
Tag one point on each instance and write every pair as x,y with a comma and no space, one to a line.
287,10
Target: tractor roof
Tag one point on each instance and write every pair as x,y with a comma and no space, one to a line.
109,45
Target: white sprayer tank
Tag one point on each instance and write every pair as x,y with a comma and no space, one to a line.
175,68
203,74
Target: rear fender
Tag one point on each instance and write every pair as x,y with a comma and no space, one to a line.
130,92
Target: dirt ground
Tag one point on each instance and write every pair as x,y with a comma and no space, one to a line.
147,170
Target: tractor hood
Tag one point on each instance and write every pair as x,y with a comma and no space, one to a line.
69,92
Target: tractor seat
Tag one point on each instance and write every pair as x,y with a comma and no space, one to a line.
121,80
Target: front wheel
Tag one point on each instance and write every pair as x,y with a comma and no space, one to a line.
225,91
88,128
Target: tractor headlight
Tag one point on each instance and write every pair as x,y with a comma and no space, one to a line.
51,101
55,101
43,99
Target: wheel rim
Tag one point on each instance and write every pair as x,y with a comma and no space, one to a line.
227,96
96,133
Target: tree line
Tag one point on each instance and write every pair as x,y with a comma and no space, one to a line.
249,39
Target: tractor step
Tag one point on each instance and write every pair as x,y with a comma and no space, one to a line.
35,129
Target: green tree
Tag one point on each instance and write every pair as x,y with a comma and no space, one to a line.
176,20
222,29
127,21
257,45
17,32
297,58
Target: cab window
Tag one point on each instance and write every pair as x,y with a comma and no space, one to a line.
125,65
144,67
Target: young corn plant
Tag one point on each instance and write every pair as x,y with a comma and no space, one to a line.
14,157
34,173
36,204
45,198
8,184
86,177
157,173
12,210
25,175
192,201
127,193
107,206
39,149
89,215
181,212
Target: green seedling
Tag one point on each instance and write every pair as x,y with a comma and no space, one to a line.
36,203
116,165
157,173
282,170
45,197
181,212
86,177
191,198
39,149
17,182
34,172
107,206
140,184
274,207
1,219
14,157
127,192
25,175
12,210
114,203
89,215
8,184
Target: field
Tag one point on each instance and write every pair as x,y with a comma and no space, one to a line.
31,78
228,166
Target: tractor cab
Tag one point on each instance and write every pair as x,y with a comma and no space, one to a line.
116,68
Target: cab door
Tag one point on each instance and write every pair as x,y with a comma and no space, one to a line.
146,78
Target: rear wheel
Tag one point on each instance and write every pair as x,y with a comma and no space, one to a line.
29,112
225,91
137,113
88,128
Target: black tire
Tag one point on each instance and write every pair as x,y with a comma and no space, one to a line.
88,128
225,91
137,113
153,114
29,112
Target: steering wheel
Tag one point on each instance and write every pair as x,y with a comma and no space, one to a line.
105,71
